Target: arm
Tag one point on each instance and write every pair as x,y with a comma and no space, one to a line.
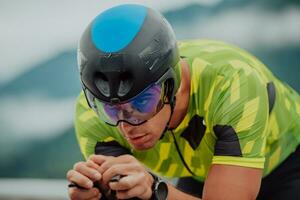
175,194
232,183
225,182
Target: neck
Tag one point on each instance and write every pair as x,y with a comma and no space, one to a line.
182,96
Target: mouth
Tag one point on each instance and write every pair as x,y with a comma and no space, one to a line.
138,140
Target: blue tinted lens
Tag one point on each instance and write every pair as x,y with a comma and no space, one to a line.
148,100
139,109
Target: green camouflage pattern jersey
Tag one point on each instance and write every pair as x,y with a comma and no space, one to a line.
239,114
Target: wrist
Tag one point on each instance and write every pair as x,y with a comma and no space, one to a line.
150,181
159,188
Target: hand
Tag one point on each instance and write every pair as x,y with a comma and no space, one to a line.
83,175
136,181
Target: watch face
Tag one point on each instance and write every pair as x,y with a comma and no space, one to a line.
161,191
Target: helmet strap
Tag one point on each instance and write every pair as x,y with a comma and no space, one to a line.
172,104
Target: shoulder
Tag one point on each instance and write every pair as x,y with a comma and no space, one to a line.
209,46
83,112
217,53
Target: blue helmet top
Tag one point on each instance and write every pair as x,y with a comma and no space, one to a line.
115,28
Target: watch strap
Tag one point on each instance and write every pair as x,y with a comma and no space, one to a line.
156,181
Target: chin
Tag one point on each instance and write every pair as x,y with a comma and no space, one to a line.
144,147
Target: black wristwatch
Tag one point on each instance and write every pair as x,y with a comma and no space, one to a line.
159,188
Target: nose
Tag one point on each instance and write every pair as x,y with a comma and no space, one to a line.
125,127
126,111
124,114
127,107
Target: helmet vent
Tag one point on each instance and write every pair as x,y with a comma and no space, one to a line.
102,84
125,84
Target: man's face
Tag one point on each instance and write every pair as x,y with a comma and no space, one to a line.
146,135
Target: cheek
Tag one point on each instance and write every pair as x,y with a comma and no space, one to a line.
158,123
122,130
155,126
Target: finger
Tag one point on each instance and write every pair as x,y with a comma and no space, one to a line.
99,159
77,194
137,191
89,172
110,161
107,164
127,182
92,164
120,169
127,157
79,179
97,197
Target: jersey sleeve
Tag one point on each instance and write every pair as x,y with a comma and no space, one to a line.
93,135
240,118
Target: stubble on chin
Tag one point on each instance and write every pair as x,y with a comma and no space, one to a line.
146,146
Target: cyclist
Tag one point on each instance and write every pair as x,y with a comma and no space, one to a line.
204,111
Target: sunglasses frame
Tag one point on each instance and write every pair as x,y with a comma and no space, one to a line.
90,97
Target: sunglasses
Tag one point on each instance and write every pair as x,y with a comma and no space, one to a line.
136,110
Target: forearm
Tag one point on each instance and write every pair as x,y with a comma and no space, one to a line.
176,194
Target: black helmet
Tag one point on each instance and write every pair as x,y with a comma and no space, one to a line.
124,50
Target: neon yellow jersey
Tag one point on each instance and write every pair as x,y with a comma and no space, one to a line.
239,114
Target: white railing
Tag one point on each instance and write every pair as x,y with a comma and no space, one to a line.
33,189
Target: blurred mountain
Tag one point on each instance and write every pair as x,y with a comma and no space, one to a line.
50,158
199,12
275,4
57,78
283,62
